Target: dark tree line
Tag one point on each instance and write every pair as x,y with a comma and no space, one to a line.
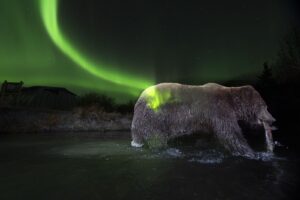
279,84
286,68
288,61
105,103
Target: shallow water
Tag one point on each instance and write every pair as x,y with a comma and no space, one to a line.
104,166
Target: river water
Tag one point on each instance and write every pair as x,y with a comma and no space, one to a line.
104,166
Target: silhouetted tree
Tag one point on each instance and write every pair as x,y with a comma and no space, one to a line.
266,79
126,108
288,61
98,100
105,103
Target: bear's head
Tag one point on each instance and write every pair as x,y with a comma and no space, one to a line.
250,106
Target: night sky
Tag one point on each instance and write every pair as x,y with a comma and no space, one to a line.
119,47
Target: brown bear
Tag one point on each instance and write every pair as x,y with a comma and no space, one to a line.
169,110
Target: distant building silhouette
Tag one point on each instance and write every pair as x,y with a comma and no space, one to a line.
10,92
9,88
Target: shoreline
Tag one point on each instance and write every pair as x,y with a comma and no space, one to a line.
91,119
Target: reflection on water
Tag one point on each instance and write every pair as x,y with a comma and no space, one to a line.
104,166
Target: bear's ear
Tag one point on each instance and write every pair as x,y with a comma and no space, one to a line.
243,93
248,87
247,90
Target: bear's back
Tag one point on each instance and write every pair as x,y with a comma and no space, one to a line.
167,93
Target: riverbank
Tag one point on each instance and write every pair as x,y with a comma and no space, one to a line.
24,120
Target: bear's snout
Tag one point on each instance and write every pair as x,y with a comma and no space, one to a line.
265,116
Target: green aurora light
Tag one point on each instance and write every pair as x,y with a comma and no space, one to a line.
49,12
27,53
156,98
121,48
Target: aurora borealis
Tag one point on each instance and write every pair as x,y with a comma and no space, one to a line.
49,14
121,47
156,98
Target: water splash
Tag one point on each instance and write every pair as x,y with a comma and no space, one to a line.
266,156
107,149
208,157
174,152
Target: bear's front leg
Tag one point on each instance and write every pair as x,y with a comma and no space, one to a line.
230,136
137,139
